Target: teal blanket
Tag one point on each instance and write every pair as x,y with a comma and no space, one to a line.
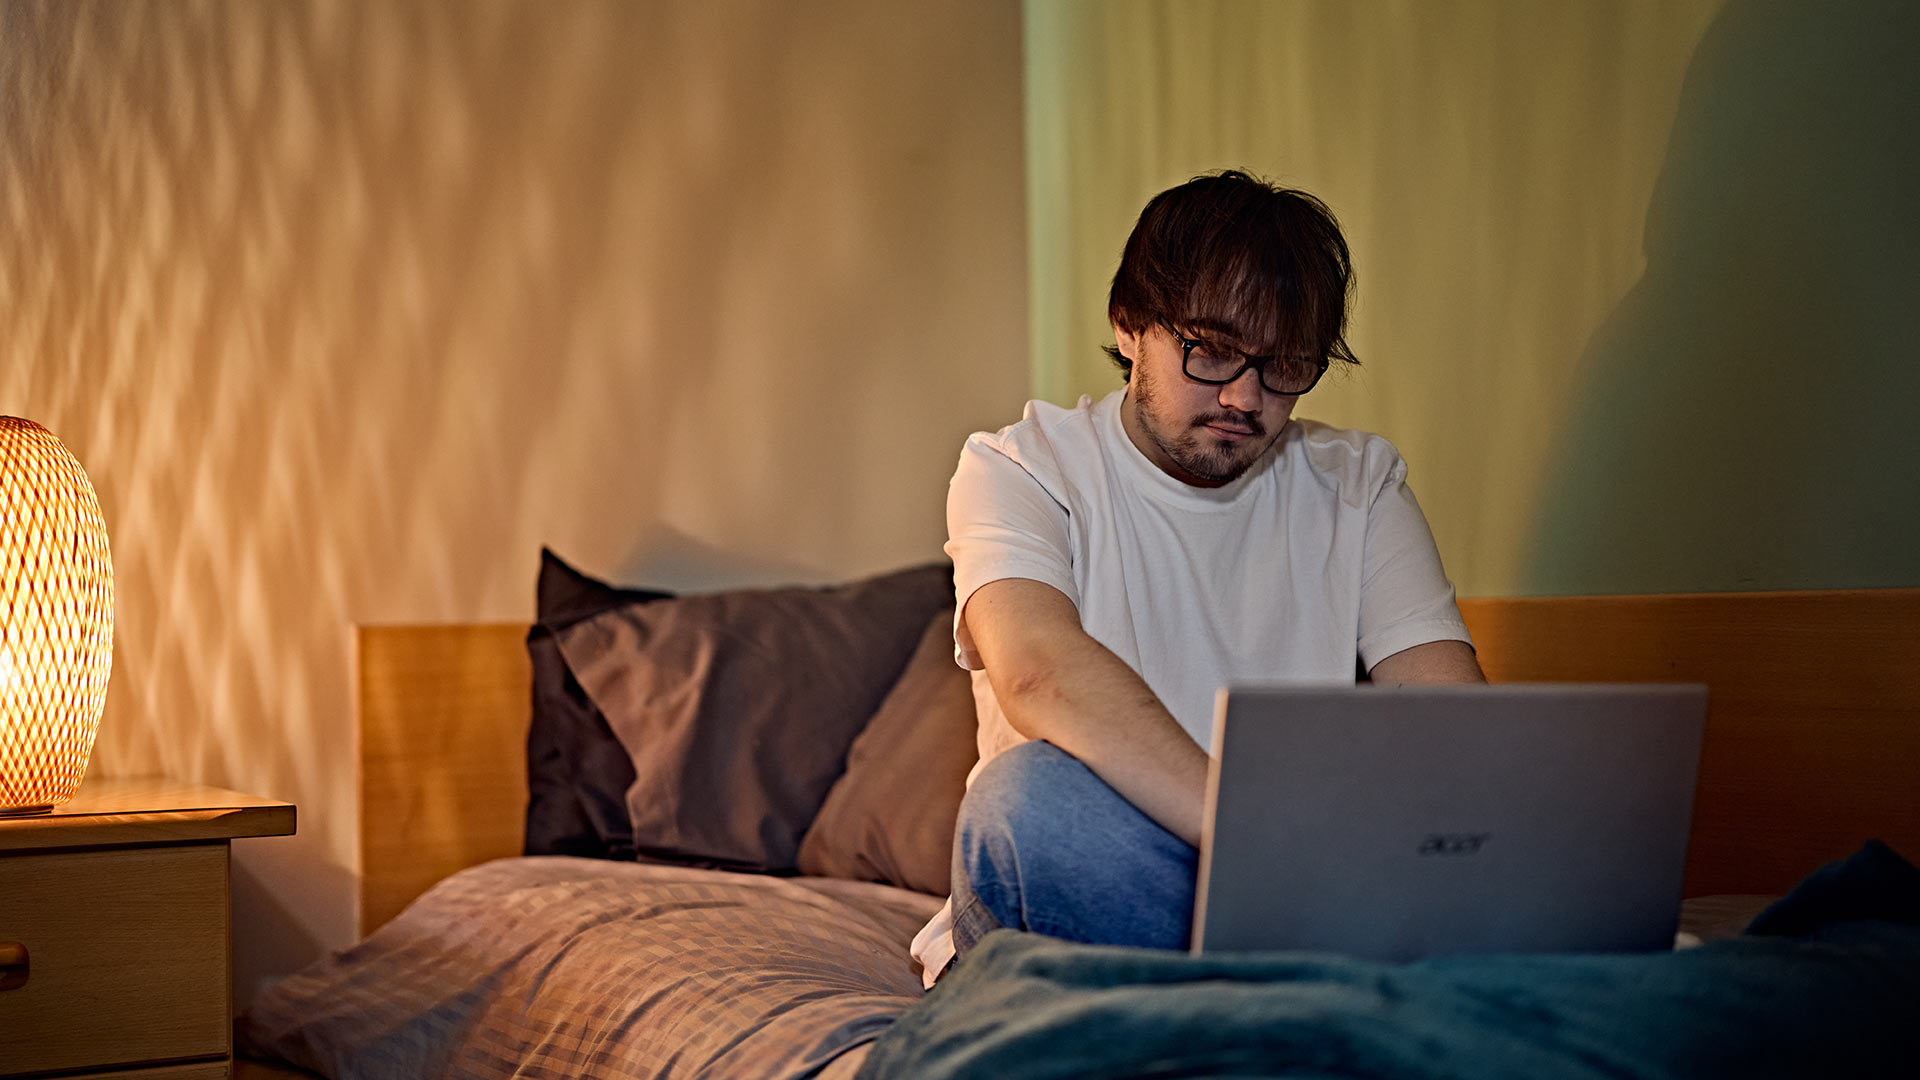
1824,983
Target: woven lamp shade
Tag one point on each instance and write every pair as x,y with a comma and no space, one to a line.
56,618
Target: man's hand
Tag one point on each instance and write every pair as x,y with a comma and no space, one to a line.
1055,682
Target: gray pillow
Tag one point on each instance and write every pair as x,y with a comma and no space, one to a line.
737,708
577,772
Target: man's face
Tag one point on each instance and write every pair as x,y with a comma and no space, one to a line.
1199,434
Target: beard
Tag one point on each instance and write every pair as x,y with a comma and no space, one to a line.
1198,452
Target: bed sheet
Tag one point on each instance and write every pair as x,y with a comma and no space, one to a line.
566,967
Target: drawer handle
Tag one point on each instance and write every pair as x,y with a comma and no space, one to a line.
13,965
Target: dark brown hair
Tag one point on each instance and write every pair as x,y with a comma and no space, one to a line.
1261,267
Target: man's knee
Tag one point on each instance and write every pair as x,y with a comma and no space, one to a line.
1023,783
1020,806
1045,844
1018,766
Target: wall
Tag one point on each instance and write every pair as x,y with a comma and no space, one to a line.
1743,416
349,307
1633,276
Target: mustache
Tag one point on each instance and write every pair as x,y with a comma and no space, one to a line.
1232,419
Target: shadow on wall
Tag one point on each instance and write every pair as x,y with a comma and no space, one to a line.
670,559
1743,421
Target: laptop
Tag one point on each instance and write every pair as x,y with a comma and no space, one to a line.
1400,823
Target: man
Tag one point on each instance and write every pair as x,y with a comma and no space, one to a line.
1117,563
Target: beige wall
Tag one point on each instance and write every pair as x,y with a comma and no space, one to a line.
348,307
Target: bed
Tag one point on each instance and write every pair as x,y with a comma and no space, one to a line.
686,957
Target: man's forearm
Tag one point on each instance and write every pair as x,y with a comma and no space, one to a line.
1073,692
1104,714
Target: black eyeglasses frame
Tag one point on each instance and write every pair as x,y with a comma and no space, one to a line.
1260,364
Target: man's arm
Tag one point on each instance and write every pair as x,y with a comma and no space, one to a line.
1436,662
1055,682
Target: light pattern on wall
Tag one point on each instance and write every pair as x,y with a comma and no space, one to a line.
351,306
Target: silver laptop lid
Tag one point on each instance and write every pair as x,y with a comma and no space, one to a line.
1397,823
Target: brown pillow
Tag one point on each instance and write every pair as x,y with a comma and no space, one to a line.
890,817
738,708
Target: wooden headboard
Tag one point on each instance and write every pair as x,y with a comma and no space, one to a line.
1813,720
1812,745
443,713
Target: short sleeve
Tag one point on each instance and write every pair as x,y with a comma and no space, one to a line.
1001,523
1405,597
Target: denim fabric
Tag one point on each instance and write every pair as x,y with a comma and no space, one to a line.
1043,844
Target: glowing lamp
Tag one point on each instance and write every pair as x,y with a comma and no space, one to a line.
56,619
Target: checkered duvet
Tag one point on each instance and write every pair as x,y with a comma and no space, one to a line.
562,967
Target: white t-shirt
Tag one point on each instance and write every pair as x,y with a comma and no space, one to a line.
1314,558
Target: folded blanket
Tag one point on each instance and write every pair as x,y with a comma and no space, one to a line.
1824,983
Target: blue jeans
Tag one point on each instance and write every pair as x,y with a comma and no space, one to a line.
1043,844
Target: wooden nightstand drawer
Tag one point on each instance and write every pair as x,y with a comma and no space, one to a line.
126,957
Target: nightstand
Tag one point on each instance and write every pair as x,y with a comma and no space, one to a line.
114,931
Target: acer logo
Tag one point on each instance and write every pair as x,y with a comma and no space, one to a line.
1462,843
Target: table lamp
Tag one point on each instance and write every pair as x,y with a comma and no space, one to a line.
56,619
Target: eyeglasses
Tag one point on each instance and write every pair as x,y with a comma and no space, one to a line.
1217,365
